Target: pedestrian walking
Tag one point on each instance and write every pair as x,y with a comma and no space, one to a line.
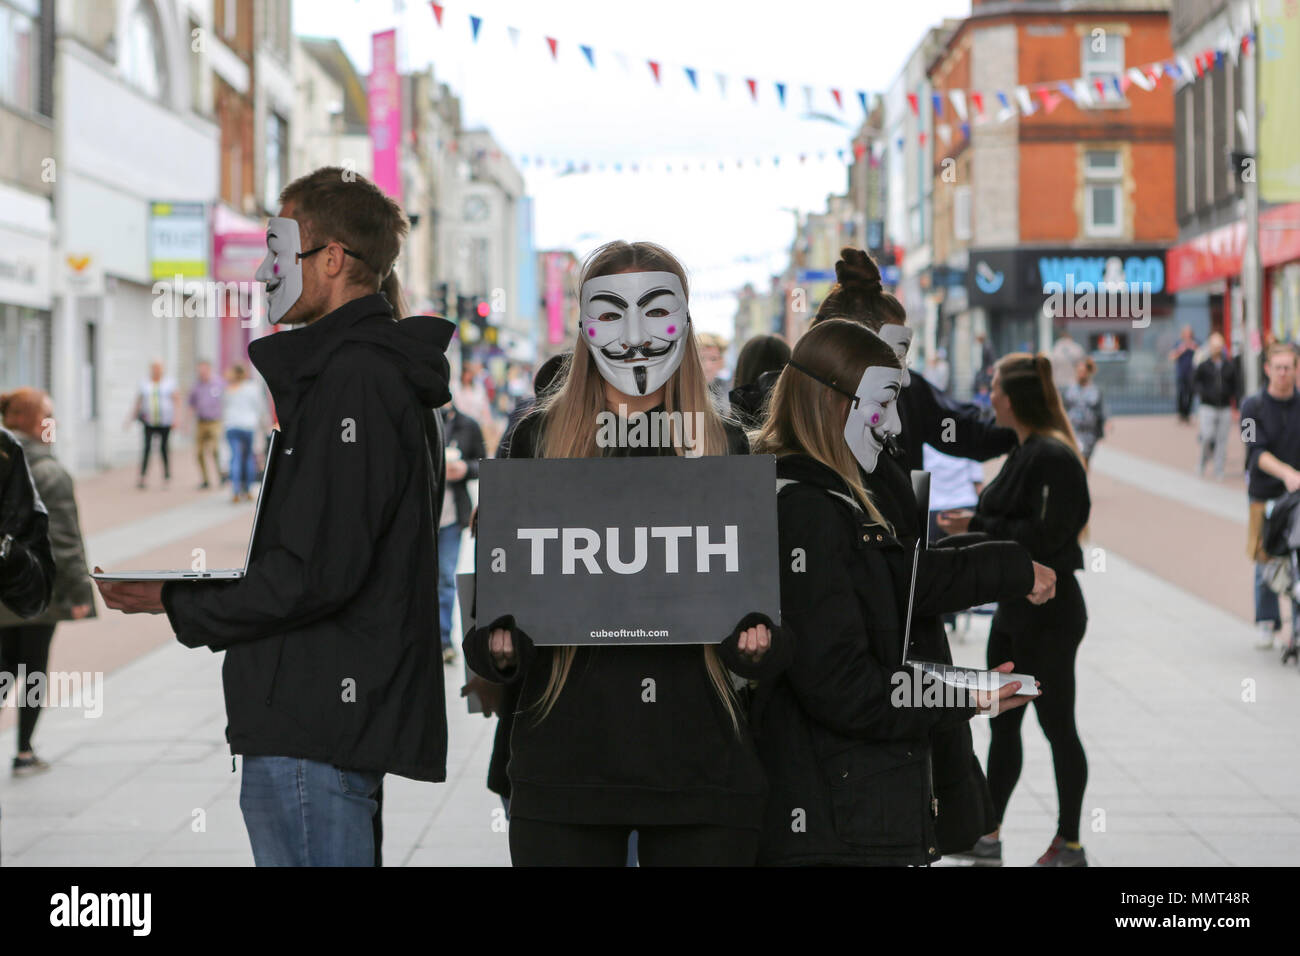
205,402
1039,499
713,359
1183,355
463,443
1085,409
577,789
1270,430
848,758
25,641
157,407
243,412
332,673
1215,384
1066,356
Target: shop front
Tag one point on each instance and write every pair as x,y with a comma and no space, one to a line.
1113,301
25,292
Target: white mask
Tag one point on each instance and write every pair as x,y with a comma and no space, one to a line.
281,270
635,325
873,416
899,338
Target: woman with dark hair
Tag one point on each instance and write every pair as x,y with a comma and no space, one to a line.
1040,499
589,761
760,363
845,733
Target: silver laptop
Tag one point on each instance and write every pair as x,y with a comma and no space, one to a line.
970,678
217,574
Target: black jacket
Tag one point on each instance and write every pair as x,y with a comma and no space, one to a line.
603,755
1039,499
72,584
846,749
27,575
961,429
749,402
1216,382
463,433
331,639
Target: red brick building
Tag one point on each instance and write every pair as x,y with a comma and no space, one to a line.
1060,171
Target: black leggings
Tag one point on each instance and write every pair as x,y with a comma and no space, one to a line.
163,432
29,647
1047,652
539,843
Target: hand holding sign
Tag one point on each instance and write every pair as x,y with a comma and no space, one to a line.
502,649
753,642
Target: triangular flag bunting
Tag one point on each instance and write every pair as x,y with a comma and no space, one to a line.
590,54
1139,78
722,83
654,68
937,100
437,13
914,103
474,24
1022,97
1118,86
753,88
780,94
807,99
862,98
958,98
978,99
552,43
514,36
690,75
839,100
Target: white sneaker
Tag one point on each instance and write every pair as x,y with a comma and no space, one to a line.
1264,629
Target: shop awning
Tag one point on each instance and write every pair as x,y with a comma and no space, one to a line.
1217,254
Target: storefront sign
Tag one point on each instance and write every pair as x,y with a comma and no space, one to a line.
1216,255
1025,278
24,269
178,240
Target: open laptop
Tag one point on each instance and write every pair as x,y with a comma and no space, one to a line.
217,574
971,678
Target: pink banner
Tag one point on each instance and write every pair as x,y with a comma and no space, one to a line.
385,113
555,276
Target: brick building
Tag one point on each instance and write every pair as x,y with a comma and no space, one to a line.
1051,165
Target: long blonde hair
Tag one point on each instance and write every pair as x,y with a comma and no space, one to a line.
567,425
806,417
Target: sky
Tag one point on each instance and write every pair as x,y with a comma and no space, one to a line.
728,227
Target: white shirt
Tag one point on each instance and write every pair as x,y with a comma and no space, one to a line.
157,401
242,406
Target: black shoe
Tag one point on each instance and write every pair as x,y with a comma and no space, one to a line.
987,851
29,766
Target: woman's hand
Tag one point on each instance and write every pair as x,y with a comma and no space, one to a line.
992,703
1044,584
502,649
754,642
489,694
956,521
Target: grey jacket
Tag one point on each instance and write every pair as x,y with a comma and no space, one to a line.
72,584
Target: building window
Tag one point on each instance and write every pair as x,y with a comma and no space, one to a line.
1103,171
277,159
961,213
142,52
1103,59
20,44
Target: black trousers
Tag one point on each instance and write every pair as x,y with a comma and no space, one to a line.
163,432
540,843
1047,651
27,647
1185,395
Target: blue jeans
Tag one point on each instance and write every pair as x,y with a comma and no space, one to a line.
1267,606
241,458
307,813
448,556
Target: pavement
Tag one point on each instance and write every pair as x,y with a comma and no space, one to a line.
1187,727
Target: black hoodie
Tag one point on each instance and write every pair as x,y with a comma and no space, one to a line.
331,639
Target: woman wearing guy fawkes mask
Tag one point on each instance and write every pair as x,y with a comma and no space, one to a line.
842,734
589,761
966,809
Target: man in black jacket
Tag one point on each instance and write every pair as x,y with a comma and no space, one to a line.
463,441
332,676
1215,383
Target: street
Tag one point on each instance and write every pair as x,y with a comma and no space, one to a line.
1187,727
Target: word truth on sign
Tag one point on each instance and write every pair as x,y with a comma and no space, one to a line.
583,545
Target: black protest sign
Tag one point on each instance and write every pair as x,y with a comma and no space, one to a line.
647,550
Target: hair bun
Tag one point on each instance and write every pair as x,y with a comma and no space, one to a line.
856,269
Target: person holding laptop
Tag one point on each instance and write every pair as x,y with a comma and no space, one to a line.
845,734
332,672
